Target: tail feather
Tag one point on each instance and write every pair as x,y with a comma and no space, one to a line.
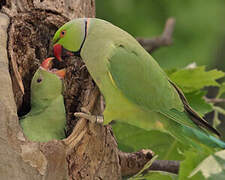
203,138
195,117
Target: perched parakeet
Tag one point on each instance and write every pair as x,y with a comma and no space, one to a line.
136,90
47,119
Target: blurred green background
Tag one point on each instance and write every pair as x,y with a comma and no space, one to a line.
199,31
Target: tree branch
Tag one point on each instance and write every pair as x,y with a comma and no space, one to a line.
151,44
214,100
165,165
132,163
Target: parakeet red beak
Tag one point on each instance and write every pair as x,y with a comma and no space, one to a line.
57,49
60,52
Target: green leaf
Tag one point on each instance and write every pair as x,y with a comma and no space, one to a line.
159,175
190,80
131,139
212,167
216,120
219,109
192,160
221,90
197,102
170,71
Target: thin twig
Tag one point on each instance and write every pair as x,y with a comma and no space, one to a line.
214,100
165,165
151,44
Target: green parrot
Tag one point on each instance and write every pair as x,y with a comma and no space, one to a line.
47,119
136,90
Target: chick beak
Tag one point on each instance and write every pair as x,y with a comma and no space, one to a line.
60,73
47,63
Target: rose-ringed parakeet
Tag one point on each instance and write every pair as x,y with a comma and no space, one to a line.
47,119
136,90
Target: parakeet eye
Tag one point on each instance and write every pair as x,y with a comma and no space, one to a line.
39,80
62,34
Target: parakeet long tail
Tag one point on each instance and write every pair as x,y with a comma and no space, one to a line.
204,138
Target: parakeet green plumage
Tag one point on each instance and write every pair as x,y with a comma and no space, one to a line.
136,90
47,118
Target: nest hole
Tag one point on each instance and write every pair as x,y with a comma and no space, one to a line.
2,3
29,44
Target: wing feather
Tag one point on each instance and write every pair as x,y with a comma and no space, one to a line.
142,81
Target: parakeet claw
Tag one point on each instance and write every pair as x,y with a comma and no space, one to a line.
91,118
100,119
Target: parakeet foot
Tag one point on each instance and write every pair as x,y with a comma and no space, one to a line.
91,118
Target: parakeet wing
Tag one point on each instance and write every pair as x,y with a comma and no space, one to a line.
143,82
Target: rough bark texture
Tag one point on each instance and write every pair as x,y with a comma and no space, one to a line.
90,151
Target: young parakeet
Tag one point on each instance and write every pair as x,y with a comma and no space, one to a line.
47,119
136,90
